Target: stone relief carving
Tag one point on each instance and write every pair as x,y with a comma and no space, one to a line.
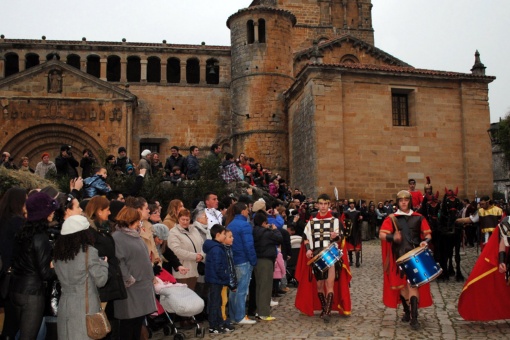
55,81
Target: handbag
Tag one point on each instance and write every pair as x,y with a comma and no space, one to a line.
5,282
97,324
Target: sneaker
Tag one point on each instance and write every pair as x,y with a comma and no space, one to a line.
228,328
247,321
273,303
217,330
286,289
267,318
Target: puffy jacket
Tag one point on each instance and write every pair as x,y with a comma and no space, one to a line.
243,247
31,265
216,265
95,185
266,240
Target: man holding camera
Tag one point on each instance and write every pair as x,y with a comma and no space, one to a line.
65,163
7,161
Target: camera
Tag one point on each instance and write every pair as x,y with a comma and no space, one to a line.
294,212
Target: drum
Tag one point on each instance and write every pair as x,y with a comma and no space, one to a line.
327,257
419,266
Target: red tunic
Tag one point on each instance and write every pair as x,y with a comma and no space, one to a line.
485,295
417,198
307,300
393,283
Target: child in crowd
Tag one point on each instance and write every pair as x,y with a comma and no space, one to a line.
229,239
176,176
279,271
216,274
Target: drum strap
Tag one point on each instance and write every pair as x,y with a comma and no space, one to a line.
394,221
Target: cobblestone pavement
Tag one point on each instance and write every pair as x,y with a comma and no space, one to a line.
370,319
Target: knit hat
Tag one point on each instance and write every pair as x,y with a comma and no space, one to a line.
115,207
65,148
121,149
260,204
44,155
74,224
146,152
129,167
40,206
160,230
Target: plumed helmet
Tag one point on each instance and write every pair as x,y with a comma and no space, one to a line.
428,185
403,194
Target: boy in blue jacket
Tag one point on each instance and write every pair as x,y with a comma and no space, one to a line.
217,275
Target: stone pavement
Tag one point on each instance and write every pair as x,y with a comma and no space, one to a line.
370,319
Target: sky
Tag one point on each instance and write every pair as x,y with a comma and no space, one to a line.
431,34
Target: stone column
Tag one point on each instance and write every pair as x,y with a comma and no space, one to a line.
123,69
143,70
203,65
83,65
183,72
344,3
102,72
21,64
256,31
360,15
2,67
163,72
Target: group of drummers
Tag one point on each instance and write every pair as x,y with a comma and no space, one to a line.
323,268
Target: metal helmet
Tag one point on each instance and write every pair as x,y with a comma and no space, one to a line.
403,194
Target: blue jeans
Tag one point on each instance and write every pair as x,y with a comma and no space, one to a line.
214,305
237,300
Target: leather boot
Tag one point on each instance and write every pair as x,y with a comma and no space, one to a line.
414,313
357,259
350,258
329,306
322,299
407,311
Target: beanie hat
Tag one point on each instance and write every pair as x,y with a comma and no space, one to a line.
40,206
260,204
129,167
115,207
74,224
160,230
121,149
145,152
44,155
65,148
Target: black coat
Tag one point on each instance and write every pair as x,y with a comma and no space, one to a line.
114,288
266,240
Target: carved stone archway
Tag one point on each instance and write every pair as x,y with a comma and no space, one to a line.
35,140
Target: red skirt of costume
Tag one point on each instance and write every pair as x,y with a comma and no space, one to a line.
307,300
485,295
393,283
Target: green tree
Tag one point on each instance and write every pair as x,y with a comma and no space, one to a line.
503,137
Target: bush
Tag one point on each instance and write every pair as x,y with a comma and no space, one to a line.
22,179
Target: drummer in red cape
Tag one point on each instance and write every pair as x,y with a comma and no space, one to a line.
329,289
400,233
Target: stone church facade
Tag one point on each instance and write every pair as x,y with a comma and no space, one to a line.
302,89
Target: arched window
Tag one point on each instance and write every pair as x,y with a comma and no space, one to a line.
250,32
153,70
262,31
133,69
193,71
31,60
212,71
94,66
173,70
349,59
113,68
11,64
74,61
52,55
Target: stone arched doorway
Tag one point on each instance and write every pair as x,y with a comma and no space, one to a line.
34,141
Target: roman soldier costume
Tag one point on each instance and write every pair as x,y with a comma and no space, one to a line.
353,232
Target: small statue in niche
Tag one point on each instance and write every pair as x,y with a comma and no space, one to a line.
54,82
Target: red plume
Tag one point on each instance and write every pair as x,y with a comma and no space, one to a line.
437,194
428,180
456,191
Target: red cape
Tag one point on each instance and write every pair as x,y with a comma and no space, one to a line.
393,282
307,300
485,295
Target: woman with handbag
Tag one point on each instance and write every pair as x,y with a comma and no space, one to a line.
137,273
98,212
80,271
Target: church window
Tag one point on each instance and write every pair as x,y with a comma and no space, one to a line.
192,71
262,31
250,32
212,70
31,60
173,70
349,59
94,65
11,64
149,145
153,70
52,55
73,60
113,68
400,107
134,72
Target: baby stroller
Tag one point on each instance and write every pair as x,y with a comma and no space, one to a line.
174,298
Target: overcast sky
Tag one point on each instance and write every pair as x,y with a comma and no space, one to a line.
432,34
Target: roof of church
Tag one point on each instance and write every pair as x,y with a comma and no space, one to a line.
399,69
256,8
346,38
